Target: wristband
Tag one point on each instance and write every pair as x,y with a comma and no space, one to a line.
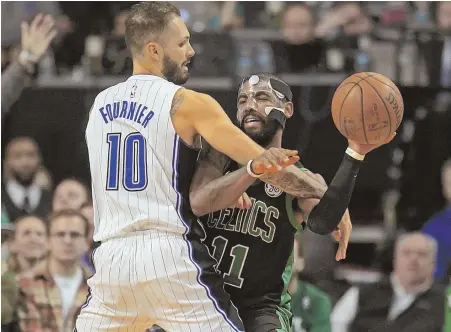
250,172
27,56
350,152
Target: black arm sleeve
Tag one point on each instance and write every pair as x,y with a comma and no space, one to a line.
326,216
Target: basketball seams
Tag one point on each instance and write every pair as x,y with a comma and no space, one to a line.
388,85
341,107
383,102
344,99
361,111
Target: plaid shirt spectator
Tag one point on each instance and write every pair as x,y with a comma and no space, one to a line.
40,305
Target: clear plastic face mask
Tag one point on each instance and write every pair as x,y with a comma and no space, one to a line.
257,84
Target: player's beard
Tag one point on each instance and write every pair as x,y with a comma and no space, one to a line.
24,180
266,135
173,72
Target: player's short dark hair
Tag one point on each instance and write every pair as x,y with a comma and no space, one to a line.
271,76
69,214
146,22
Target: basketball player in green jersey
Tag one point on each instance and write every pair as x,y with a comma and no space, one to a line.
253,243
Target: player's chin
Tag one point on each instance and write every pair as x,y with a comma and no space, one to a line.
183,77
253,127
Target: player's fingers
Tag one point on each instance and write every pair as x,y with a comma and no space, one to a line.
47,27
344,241
246,201
240,204
341,253
278,155
36,22
336,235
51,36
391,137
290,161
289,153
266,164
24,29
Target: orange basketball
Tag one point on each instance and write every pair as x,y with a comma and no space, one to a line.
367,108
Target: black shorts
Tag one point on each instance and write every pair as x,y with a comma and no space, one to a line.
271,320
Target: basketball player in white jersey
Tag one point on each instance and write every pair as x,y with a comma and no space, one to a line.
143,137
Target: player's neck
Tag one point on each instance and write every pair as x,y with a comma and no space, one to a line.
139,69
61,269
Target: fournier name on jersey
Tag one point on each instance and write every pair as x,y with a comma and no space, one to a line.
138,113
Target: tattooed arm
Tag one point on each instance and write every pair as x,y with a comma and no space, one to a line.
296,182
211,190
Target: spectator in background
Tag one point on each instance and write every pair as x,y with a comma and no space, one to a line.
116,58
439,226
311,307
70,194
343,25
35,40
20,194
10,296
300,50
230,16
437,51
52,294
347,17
43,179
408,302
28,245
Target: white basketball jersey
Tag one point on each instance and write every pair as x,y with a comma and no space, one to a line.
134,154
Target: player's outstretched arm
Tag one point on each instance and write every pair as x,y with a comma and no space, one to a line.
296,182
195,113
326,215
211,190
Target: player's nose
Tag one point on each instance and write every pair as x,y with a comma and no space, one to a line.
191,52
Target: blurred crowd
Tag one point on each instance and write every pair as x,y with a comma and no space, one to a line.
409,41
47,227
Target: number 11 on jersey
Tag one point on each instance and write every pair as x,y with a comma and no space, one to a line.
239,254
134,159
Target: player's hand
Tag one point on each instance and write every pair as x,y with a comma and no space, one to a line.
244,202
366,148
37,36
342,235
273,160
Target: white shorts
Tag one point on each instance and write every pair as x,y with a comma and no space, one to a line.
151,278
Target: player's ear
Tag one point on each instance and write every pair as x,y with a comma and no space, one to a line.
288,109
154,51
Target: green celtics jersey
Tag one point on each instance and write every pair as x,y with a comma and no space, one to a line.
254,248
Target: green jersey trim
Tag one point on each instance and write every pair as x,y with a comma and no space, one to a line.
289,207
285,297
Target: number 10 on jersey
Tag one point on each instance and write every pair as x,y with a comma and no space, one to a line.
133,158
